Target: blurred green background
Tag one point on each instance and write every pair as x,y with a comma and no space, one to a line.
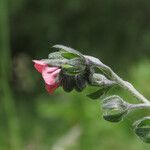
117,32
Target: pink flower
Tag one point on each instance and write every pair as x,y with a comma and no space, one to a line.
49,74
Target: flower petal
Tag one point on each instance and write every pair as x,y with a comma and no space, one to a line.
49,76
39,65
55,74
51,88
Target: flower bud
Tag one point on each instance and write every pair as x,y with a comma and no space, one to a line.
80,82
67,82
71,61
97,79
74,66
142,129
114,108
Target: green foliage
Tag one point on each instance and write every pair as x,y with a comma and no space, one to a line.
69,52
55,55
99,93
69,55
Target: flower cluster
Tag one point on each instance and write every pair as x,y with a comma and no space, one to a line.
66,69
71,70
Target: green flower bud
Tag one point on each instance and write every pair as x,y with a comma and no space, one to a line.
142,129
73,61
80,82
74,66
114,108
67,82
97,79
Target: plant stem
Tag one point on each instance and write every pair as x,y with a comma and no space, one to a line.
138,106
129,87
124,84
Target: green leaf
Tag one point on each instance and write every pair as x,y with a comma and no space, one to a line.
70,70
68,49
77,62
55,62
104,71
74,66
55,55
99,93
69,55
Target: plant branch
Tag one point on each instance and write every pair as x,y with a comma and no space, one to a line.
129,87
138,106
124,84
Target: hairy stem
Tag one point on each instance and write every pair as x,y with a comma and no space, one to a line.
124,84
138,106
129,87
